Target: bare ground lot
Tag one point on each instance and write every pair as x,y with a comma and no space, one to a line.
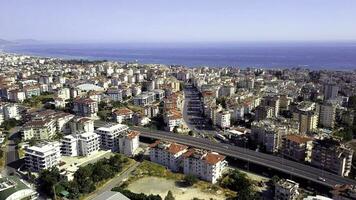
161,186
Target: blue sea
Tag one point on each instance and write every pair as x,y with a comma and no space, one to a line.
312,55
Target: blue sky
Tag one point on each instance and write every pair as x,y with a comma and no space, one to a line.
178,20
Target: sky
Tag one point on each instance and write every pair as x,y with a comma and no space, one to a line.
178,20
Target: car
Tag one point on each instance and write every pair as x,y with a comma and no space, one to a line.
321,179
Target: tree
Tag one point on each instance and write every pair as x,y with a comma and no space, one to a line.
169,196
47,179
190,180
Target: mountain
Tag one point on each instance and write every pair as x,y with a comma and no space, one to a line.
26,41
5,42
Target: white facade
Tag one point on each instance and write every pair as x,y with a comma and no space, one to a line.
80,145
207,166
129,143
223,119
11,112
168,154
42,156
110,135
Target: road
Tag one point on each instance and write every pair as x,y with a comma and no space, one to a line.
289,167
192,112
12,157
114,182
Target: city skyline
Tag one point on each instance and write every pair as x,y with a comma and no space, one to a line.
183,21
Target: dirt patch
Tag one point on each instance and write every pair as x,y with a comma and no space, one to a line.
161,186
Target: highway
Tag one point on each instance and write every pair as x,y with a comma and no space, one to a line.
283,165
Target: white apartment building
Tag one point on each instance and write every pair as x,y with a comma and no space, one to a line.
40,129
286,189
42,156
69,145
208,166
144,98
129,143
81,125
168,154
223,119
327,115
110,135
88,143
172,119
10,111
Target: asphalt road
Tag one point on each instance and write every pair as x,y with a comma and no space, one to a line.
12,157
289,167
192,114
114,182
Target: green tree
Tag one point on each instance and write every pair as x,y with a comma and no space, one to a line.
190,180
169,196
47,179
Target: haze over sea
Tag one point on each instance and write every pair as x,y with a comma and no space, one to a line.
312,55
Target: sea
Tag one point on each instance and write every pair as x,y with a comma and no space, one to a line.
312,55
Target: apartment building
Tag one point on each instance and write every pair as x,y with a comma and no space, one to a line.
330,155
10,111
268,133
129,143
88,143
168,154
208,166
42,156
307,117
286,189
223,119
85,107
297,147
172,119
330,91
115,94
273,102
39,129
81,125
327,115
110,135
144,98
122,114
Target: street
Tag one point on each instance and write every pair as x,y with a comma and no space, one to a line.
12,161
114,182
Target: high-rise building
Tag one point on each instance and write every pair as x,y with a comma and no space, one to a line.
327,115
330,91
330,155
42,156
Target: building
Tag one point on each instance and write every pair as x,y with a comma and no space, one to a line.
330,155
297,147
330,91
13,188
168,154
344,192
273,102
81,125
122,114
263,112
115,94
85,107
172,119
10,111
208,166
39,129
327,115
268,133
308,120
144,98
88,143
42,156
286,189
129,143
223,119
110,136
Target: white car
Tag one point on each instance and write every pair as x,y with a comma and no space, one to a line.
321,179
